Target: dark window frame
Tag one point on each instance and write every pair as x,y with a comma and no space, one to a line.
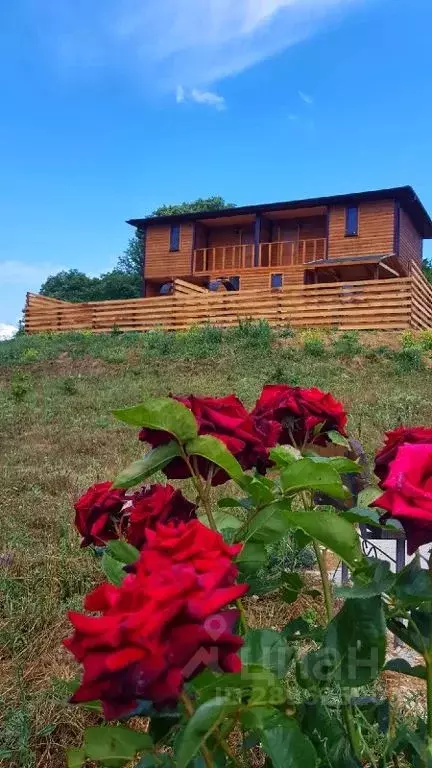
174,243
352,215
276,275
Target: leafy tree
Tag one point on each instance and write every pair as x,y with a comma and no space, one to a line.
216,203
70,285
125,281
427,269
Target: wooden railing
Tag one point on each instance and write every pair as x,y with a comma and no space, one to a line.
394,303
224,259
233,258
290,254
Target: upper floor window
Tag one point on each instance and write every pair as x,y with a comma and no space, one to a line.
175,237
351,221
277,280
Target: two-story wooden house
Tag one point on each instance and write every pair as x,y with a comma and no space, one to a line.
358,236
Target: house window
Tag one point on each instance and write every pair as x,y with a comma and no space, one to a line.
277,280
235,283
351,221
175,237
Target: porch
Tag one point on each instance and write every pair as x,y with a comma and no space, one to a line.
283,238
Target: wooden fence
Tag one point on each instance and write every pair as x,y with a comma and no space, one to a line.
395,303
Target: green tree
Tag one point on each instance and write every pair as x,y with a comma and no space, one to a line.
427,269
216,203
125,281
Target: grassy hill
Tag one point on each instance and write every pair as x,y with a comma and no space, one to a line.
58,437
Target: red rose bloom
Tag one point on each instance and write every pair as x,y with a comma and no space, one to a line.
98,514
225,418
393,441
288,415
155,504
163,625
408,493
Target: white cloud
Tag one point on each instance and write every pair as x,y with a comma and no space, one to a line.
7,331
208,98
305,97
180,94
24,273
195,42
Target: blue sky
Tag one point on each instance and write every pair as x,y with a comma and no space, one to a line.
112,107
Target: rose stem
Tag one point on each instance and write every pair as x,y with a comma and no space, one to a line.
200,489
189,707
328,601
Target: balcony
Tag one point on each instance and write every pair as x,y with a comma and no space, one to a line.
230,259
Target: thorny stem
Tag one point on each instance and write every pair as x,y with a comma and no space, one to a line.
201,489
190,710
322,565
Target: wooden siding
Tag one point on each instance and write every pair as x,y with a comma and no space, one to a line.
241,235
257,279
396,303
410,243
376,231
160,262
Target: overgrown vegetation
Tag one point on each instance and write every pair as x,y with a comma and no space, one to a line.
57,435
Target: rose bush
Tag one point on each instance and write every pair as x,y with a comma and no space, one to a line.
98,514
225,418
168,637
289,415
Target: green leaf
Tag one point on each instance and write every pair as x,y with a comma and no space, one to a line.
223,520
287,746
164,414
75,758
91,706
339,463
123,552
404,668
292,585
332,531
413,585
152,462
267,648
112,569
230,503
362,515
252,683
284,455
338,439
308,474
113,747
200,727
270,524
357,636
214,450
367,496
374,578
252,557
328,735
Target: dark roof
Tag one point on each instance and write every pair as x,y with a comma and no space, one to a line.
404,195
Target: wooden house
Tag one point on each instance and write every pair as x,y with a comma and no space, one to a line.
343,238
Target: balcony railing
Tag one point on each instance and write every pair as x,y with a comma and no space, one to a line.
229,259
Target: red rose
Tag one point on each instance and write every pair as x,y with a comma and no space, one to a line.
408,493
163,625
289,415
98,514
225,418
155,504
393,441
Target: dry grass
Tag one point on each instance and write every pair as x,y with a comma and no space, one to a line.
55,443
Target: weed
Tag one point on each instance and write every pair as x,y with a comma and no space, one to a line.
30,355
21,385
254,334
313,343
425,339
347,344
68,386
287,332
409,359
408,339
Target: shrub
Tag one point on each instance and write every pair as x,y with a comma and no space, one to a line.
347,344
313,343
425,339
21,385
252,334
408,339
409,359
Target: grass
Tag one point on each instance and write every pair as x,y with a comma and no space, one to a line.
58,437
